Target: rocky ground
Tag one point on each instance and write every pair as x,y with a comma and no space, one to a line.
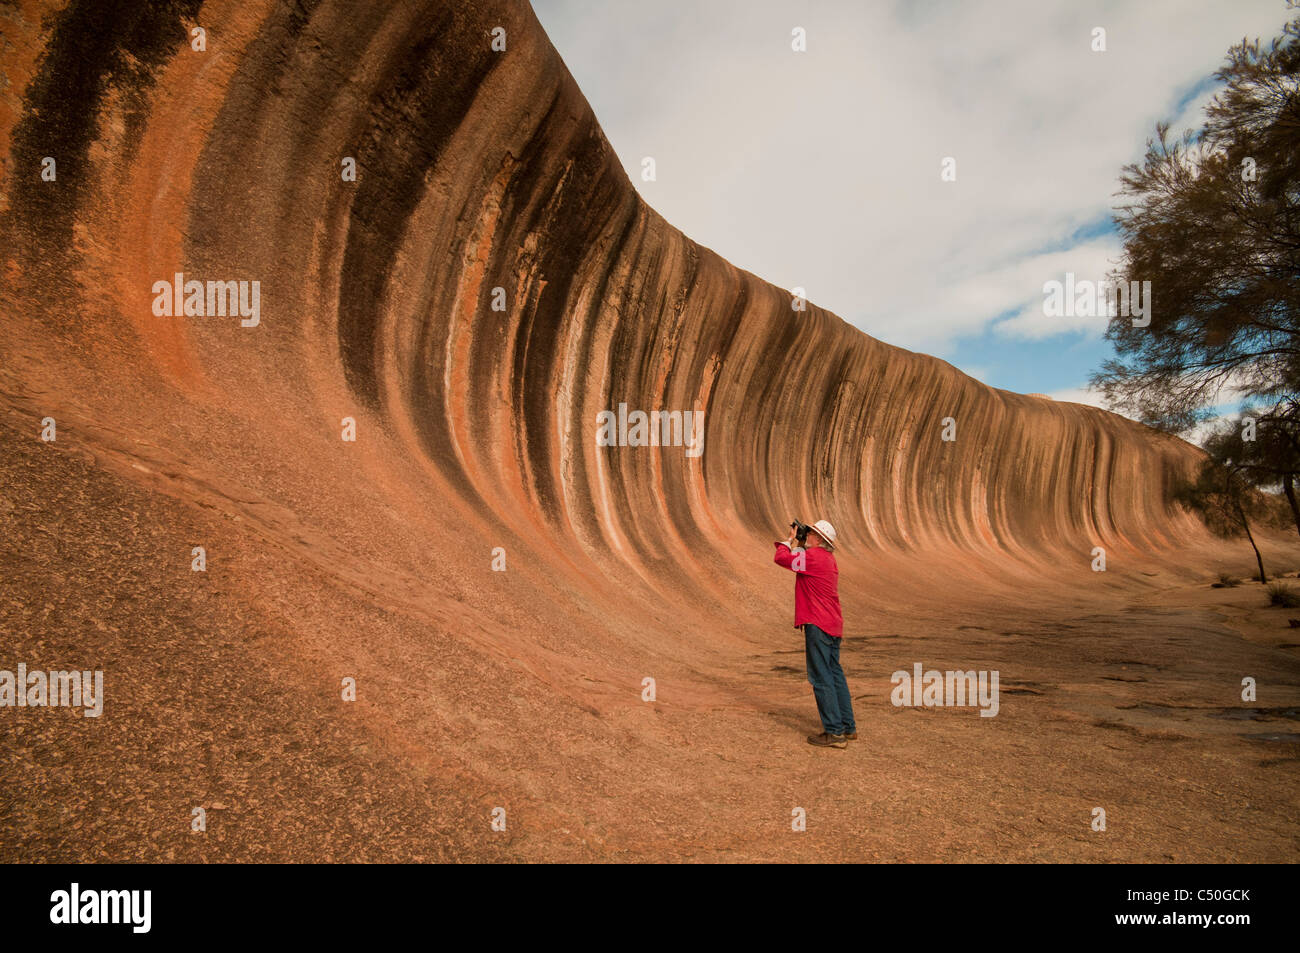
225,696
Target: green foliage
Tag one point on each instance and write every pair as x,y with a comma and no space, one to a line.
1224,493
1221,249
1226,502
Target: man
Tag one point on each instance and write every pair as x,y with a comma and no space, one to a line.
817,609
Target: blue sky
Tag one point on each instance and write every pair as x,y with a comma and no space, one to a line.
821,169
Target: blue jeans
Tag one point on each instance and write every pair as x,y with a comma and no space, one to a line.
827,679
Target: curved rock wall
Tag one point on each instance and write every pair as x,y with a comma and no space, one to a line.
477,170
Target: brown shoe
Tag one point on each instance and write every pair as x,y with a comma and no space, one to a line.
850,736
828,741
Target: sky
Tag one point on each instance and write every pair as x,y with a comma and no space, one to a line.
822,169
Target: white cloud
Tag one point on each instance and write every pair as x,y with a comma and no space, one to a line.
1078,395
821,169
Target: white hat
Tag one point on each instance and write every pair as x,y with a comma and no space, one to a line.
826,531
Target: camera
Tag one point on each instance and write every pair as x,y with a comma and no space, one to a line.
800,532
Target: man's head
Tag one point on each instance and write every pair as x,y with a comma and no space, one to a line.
822,534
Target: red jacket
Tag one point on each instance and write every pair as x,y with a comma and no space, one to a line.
816,587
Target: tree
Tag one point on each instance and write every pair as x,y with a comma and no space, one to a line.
1224,494
1266,446
1213,222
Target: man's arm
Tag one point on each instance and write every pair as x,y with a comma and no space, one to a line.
789,558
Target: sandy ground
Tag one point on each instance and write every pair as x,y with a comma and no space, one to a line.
1128,700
